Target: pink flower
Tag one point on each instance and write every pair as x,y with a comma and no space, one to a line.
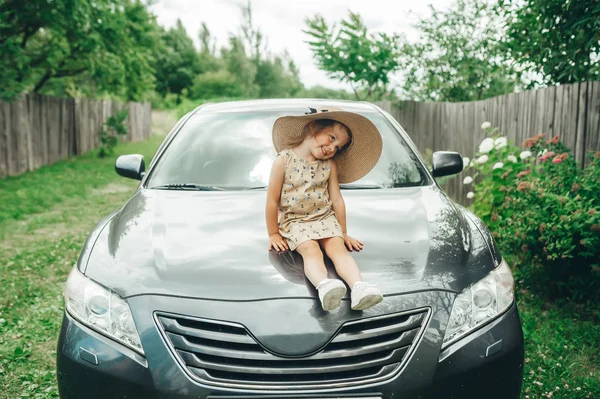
524,173
557,159
547,155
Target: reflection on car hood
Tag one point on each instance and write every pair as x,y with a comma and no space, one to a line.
213,245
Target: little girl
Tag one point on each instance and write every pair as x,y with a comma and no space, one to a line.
305,210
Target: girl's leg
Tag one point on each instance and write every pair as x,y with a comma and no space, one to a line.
331,291
363,296
345,265
314,266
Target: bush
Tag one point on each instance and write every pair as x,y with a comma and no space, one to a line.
216,84
543,209
110,130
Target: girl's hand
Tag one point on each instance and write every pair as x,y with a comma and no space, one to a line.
352,243
277,243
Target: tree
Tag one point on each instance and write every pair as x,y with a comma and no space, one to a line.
353,55
177,63
239,65
458,57
252,36
99,45
216,84
557,39
278,77
209,61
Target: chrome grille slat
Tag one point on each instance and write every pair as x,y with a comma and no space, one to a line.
173,326
226,353
414,321
402,340
202,374
180,342
193,360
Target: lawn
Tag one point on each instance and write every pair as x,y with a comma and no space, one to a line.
45,218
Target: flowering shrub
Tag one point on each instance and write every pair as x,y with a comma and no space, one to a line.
542,208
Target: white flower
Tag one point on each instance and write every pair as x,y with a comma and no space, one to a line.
498,165
468,180
500,142
465,162
486,125
486,145
470,194
482,159
512,158
525,154
540,153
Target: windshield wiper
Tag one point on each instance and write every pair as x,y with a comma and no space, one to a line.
359,186
188,186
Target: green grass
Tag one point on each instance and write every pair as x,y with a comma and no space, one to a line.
46,219
562,350
39,190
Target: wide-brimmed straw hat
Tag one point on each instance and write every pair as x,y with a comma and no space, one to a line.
355,161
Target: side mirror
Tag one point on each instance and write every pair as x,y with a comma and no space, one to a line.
446,163
131,166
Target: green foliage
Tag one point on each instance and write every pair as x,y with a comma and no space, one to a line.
239,65
544,209
176,61
215,84
558,40
110,131
276,79
324,92
353,55
245,69
93,47
458,57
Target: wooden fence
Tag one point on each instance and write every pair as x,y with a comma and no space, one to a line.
38,130
571,111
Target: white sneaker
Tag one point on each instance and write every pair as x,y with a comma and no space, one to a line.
365,296
331,292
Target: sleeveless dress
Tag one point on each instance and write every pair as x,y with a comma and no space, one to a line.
304,207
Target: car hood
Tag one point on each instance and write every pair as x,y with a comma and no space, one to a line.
213,245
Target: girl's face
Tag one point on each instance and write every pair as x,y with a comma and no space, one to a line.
328,141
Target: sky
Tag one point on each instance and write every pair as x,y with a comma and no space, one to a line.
282,22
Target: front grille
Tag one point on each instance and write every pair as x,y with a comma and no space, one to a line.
225,353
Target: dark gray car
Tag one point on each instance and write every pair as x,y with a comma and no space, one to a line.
175,295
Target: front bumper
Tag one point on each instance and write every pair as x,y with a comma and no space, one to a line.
486,363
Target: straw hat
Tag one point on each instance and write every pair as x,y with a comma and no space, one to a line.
357,160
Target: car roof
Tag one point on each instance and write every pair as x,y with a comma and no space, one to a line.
286,104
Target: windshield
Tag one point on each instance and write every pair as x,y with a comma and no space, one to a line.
234,150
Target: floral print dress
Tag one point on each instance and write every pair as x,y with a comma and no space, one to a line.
304,207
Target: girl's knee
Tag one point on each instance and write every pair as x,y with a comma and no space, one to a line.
309,249
335,247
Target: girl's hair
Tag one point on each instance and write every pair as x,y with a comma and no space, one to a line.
314,127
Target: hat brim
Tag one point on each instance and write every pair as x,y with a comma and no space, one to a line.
356,161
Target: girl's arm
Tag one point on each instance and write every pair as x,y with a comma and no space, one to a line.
276,241
339,207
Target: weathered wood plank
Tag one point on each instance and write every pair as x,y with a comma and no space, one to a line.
581,129
593,119
5,152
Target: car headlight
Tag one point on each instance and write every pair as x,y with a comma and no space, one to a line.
101,310
480,302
